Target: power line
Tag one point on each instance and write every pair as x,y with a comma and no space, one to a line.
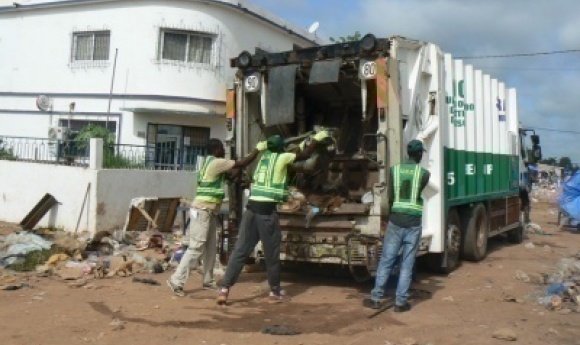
520,54
528,69
556,130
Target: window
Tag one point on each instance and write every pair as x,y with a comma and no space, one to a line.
176,147
186,46
77,125
91,45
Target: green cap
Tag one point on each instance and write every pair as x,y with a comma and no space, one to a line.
275,143
415,146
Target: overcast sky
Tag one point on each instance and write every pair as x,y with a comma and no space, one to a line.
548,85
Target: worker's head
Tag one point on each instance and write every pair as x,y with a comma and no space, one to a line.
215,148
275,143
415,150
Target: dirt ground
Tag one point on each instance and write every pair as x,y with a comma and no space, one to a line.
465,307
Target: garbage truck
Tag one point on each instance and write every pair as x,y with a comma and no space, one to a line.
373,96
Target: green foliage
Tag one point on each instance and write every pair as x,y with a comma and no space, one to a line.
35,258
7,154
349,38
117,161
565,162
549,161
96,131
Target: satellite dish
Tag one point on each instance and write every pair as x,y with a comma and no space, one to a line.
43,103
312,29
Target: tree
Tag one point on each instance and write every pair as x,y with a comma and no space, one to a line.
350,38
565,162
549,161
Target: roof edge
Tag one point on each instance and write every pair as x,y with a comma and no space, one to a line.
240,5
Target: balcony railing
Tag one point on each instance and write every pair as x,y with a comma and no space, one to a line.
115,156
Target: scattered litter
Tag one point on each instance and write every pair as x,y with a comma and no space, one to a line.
279,330
145,281
22,243
13,287
78,283
533,228
117,325
521,275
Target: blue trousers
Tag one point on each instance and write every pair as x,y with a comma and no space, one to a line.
397,239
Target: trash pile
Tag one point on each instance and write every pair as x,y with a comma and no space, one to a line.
560,289
81,257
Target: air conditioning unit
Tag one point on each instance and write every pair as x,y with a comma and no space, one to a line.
58,133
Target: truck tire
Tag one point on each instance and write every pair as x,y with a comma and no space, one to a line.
452,246
476,233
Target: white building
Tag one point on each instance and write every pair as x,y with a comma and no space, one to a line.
170,61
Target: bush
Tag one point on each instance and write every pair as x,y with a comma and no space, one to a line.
6,154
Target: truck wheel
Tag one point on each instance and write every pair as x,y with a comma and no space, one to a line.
475,239
452,246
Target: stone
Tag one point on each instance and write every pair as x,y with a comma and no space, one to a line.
117,325
521,275
553,331
530,245
537,278
505,334
448,299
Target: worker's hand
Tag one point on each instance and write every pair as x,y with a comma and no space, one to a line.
321,135
262,146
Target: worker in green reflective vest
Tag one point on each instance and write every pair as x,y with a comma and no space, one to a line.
404,228
203,213
260,219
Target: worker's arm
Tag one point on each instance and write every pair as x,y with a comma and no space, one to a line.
244,162
308,151
260,147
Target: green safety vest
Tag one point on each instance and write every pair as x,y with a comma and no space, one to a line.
208,190
264,185
407,184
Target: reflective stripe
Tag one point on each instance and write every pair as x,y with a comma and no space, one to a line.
209,190
407,178
264,185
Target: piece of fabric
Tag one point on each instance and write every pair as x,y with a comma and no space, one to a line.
397,239
202,242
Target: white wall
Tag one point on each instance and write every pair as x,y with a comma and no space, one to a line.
22,185
116,188
35,58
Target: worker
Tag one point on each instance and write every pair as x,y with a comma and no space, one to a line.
260,220
203,214
404,228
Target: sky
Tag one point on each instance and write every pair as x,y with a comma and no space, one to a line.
548,85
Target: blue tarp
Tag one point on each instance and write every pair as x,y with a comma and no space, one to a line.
569,200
